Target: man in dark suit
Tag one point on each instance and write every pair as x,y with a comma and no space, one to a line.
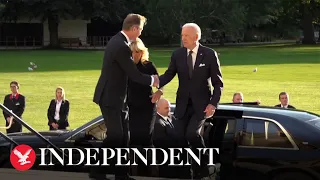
284,101
164,132
164,136
111,90
195,65
17,103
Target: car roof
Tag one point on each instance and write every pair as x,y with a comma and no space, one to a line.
264,110
267,111
248,110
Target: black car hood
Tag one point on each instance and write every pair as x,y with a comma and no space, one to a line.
29,137
43,133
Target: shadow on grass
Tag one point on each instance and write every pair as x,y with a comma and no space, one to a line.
70,60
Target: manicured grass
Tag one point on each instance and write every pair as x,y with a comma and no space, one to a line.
295,69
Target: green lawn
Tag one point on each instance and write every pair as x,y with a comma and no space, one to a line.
294,69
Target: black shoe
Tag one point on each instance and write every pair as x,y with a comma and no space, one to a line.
98,177
208,173
125,178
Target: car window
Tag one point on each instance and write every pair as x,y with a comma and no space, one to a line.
97,131
262,133
317,124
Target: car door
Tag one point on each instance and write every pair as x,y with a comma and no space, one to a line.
264,145
222,136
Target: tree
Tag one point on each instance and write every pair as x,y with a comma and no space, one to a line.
309,11
167,18
302,14
55,10
260,13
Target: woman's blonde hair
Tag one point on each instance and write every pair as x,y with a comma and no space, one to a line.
63,92
138,45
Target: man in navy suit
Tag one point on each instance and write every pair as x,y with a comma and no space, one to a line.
111,90
197,67
284,101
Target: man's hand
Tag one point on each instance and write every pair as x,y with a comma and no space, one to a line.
258,102
10,118
156,81
210,109
54,125
156,96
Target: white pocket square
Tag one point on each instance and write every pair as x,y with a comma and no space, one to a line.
202,65
17,104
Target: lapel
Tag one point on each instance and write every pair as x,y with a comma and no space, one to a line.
124,38
61,107
199,58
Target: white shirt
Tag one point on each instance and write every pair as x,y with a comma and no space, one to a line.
286,106
165,117
194,53
56,115
129,42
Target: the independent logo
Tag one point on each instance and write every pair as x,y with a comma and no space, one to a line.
22,157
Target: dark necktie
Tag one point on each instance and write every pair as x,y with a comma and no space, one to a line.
190,63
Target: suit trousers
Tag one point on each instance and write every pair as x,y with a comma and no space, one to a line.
188,131
117,136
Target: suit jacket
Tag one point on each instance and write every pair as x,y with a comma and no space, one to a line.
289,106
17,105
197,88
63,114
164,134
117,66
139,94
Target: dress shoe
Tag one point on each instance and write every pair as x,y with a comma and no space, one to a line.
98,177
125,178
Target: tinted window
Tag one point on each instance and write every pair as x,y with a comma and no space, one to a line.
260,133
317,124
96,131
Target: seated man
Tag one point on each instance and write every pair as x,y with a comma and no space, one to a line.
238,99
284,101
164,133
164,136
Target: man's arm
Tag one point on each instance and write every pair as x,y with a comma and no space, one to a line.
170,72
50,118
5,115
126,63
216,79
22,106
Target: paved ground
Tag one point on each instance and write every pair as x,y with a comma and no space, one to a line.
12,174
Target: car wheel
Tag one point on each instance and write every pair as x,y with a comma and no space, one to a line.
292,176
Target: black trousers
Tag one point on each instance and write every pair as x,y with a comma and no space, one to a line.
117,136
188,131
15,127
141,126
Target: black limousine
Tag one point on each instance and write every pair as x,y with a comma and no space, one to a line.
256,142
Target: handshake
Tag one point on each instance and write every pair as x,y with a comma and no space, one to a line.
156,81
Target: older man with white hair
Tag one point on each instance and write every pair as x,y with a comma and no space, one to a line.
196,66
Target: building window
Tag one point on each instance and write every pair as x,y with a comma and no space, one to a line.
261,133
